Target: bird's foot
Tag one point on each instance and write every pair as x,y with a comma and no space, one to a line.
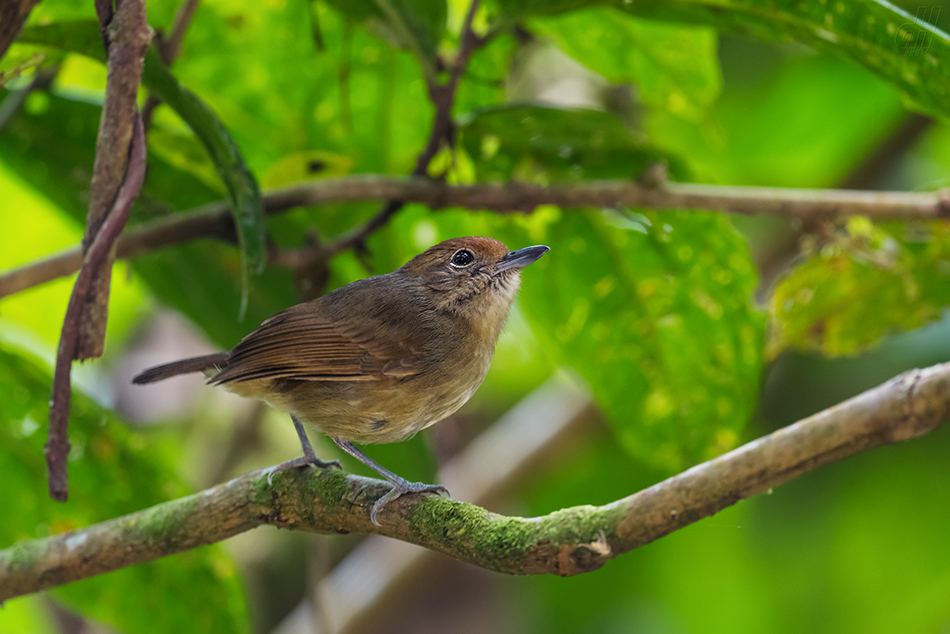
302,461
402,489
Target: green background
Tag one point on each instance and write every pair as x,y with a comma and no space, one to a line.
694,331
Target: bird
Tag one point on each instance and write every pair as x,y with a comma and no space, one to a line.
381,358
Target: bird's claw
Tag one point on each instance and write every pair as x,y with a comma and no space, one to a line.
302,461
402,489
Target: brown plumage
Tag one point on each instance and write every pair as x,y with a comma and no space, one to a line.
381,358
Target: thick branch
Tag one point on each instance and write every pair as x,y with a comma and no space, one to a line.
566,542
127,35
13,14
541,429
214,220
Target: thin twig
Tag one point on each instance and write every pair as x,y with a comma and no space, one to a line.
214,220
170,46
57,447
443,97
566,542
16,98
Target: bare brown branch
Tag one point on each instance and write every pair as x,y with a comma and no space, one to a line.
567,542
128,36
214,220
442,133
171,43
13,14
57,447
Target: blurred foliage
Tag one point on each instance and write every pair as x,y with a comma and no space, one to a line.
112,471
654,309
905,51
673,67
534,143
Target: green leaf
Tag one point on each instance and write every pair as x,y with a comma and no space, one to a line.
242,188
865,285
78,36
112,470
675,67
245,196
524,141
653,310
913,56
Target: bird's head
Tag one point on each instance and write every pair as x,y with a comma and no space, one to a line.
474,277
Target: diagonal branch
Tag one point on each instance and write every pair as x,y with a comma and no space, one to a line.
214,220
13,14
443,131
566,542
543,427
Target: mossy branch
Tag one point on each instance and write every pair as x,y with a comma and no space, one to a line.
566,542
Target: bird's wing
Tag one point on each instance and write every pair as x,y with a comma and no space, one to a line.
304,344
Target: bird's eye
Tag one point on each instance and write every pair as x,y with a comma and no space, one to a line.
462,257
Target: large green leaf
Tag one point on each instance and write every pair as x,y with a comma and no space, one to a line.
863,286
653,309
911,55
674,67
247,208
112,471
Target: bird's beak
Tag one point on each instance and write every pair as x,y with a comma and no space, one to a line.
522,257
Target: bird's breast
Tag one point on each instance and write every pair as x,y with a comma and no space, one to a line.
389,409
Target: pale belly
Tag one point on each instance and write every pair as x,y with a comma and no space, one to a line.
371,411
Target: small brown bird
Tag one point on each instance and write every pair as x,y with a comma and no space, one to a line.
377,360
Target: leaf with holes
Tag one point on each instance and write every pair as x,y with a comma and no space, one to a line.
865,285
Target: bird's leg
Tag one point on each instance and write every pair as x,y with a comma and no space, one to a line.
308,458
401,486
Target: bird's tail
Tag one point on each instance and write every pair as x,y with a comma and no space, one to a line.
185,366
